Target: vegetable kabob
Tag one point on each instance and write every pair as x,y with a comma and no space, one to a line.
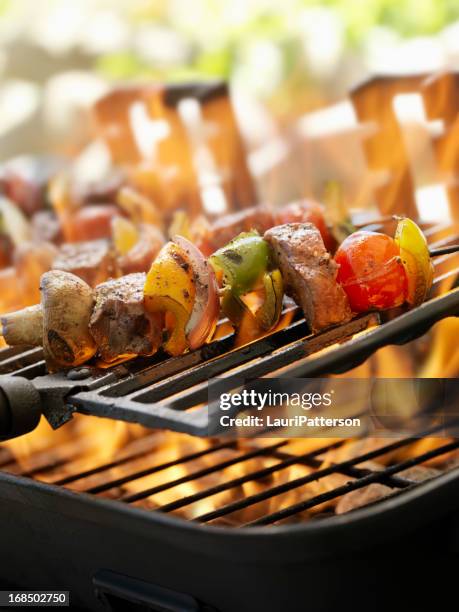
177,304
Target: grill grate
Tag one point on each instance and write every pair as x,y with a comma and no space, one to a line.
289,483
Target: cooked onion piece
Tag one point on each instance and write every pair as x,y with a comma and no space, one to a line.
204,316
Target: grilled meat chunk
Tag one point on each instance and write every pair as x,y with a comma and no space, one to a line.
227,227
119,323
46,227
309,274
93,261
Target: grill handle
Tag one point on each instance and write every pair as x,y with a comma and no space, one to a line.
20,407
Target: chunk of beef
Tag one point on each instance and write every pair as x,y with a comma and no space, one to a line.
92,222
223,230
93,261
119,323
309,274
46,226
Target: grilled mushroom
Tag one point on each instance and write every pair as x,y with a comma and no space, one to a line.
24,326
60,323
67,303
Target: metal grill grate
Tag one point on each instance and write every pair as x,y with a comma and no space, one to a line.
208,485
171,393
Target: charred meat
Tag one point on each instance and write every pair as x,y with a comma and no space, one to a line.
309,274
258,218
93,261
119,323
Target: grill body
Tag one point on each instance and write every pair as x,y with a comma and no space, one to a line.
52,538
116,554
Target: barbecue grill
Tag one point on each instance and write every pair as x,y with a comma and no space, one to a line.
118,552
224,524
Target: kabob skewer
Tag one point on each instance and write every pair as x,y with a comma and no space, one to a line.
177,304
447,250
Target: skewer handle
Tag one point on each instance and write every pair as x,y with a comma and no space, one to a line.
20,406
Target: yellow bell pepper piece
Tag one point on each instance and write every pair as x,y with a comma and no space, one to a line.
170,289
125,235
415,257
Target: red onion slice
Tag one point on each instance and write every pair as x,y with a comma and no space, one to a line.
204,316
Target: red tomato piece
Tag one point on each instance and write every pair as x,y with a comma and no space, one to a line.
307,211
371,272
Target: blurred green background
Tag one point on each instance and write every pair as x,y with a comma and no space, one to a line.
293,56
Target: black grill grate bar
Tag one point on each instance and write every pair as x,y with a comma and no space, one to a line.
51,465
201,473
11,351
352,471
286,461
105,466
269,364
158,468
298,482
161,366
162,371
234,358
21,359
352,486
405,327
32,371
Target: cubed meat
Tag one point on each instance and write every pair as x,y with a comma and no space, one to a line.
93,222
46,227
93,261
309,274
226,228
119,323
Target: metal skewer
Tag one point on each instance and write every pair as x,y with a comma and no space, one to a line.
454,248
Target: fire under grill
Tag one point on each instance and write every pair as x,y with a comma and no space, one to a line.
246,484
